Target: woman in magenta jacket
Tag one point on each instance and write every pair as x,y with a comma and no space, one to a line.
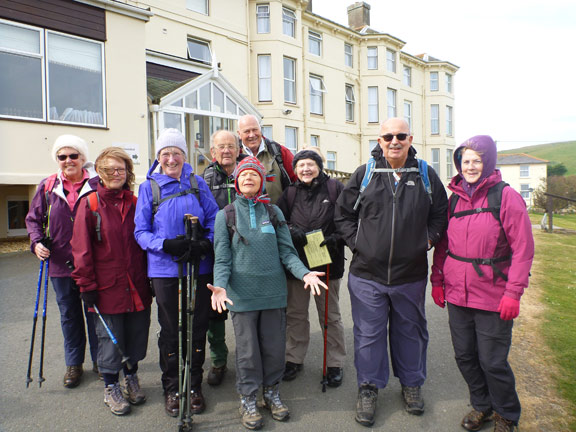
110,269
480,270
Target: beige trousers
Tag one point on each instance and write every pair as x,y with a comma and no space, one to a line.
298,324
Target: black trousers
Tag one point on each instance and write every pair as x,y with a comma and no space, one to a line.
166,290
481,341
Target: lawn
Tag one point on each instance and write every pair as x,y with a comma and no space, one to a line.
555,266
561,221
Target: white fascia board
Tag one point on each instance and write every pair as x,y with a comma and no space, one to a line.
120,8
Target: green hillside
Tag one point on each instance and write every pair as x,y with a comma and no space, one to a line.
562,152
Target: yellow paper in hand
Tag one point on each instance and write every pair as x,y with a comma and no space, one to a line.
317,255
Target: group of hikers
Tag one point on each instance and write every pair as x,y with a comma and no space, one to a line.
257,206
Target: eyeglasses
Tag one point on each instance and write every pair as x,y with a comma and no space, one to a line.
112,171
390,137
72,156
230,147
167,155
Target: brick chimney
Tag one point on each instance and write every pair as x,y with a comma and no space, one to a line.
358,15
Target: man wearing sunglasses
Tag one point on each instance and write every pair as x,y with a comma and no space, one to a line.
390,232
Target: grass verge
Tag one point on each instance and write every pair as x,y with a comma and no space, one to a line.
555,267
566,221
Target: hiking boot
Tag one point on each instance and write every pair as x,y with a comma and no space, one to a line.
197,402
171,404
366,404
502,424
291,370
334,376
114,399
132,391
413,402
251,417
272,402
474,420
72,376
216,375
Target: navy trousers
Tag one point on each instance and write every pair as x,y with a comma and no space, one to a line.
72,322
481,342
397,311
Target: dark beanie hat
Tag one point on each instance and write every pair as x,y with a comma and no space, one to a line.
308,154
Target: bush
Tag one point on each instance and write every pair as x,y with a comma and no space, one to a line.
561,186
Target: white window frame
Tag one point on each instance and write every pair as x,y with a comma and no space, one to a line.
449,122
264,78
288,22
371,145
44,54
200,43
314,140
267,131
525,191
373,109
449,163
391,102
289,81
317,90
291,132
524,171
372,57
315,43
448,83
348,55
350,102
407,75
200,6
434,84
390,60
434,119
331,158
435,159
408,113
262,18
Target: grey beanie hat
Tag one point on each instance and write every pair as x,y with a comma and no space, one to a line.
171,138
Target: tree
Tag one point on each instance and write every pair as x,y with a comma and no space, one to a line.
561,186
557,169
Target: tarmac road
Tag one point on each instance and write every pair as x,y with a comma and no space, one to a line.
55,408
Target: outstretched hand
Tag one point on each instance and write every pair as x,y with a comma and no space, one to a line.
313,281
219,298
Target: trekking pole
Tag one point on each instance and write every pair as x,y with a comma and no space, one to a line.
41,371
125,360
326,293
182,394
34,321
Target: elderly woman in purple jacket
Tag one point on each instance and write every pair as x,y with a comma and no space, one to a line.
50,223
480,270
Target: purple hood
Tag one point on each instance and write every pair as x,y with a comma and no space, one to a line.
484,145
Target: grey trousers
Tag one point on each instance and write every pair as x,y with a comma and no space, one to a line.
131,332
481,341
298,323
260,348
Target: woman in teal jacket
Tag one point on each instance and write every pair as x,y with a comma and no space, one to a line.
249,276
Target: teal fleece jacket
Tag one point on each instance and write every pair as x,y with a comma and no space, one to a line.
253,273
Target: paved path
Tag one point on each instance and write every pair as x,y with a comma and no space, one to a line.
55,408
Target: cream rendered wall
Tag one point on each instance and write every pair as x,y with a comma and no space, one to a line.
537,177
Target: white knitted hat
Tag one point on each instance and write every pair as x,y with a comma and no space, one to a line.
71,141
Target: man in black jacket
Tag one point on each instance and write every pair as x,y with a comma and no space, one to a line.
396,223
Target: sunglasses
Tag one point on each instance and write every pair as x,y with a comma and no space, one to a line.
390,137
72,156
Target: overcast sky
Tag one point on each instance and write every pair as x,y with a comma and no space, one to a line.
517,59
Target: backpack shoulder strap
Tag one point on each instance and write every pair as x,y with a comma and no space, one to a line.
452,201
423,169
276,151
155,197
194,186
93,203
230,213
495,199
365,180
273,216
290,198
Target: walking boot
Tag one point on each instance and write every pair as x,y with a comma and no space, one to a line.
251,417
291,370
502,424
413,402
72,376
216,375
114,399
474,420
132,391
171,403
197,402
272,402
366,404
334,376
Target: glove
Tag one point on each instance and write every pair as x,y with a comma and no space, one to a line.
89,297
509,308
438,296
176,247
46,242
331,242
199,248
298,236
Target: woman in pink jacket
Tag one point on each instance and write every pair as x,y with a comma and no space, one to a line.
481,269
